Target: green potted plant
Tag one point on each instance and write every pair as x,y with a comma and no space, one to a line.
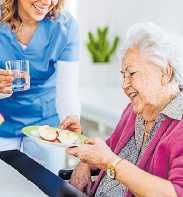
99,46
101,50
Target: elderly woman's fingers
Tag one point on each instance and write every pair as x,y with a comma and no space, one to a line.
90,141
93,141
73,151
81,152
95,153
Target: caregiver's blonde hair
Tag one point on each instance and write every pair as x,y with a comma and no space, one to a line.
9,12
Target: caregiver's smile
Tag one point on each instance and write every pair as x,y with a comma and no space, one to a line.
36,9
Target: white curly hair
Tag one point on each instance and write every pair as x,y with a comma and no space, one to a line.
162,48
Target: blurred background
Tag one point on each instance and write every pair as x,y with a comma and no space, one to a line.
102,98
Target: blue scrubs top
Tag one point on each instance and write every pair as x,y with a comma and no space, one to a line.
52,41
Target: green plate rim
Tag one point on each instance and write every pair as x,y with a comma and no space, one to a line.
26,131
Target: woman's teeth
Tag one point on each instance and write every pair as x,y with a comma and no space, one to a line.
132,95
40,9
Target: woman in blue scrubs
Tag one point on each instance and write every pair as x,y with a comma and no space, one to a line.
41,32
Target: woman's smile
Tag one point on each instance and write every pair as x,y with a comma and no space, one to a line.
35,10
132,95
40,9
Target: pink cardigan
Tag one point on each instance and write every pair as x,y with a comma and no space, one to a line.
163,156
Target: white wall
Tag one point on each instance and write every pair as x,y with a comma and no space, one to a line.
72,6
119,15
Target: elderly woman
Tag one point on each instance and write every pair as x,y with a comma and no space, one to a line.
144,155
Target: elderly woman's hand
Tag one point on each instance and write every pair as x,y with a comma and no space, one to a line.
6,79
94,152
81,176
71,123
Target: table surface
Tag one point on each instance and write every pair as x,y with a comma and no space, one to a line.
12,183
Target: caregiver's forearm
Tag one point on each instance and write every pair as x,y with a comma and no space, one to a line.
141,183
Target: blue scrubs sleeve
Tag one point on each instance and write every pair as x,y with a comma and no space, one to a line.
72,48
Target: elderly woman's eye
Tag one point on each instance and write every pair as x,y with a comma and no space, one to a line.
132,73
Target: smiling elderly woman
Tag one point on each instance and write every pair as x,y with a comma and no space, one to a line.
145,157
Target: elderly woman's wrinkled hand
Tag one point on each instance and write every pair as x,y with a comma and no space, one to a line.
94,152
81,176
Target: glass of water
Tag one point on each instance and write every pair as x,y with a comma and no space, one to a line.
20,72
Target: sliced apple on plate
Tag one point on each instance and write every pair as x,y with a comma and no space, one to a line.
68,137
54,136
48,134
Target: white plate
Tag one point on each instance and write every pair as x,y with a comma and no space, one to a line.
33,132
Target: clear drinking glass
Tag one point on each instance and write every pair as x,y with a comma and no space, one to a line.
20,71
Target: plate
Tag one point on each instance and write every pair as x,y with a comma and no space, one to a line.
33,132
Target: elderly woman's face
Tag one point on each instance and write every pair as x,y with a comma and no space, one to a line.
142,80
36,9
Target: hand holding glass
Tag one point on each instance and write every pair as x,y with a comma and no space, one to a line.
20,72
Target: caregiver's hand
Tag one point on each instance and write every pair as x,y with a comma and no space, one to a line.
6,79
71,123
81,176
94,152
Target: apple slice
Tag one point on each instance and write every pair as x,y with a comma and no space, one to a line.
48,134
68,137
